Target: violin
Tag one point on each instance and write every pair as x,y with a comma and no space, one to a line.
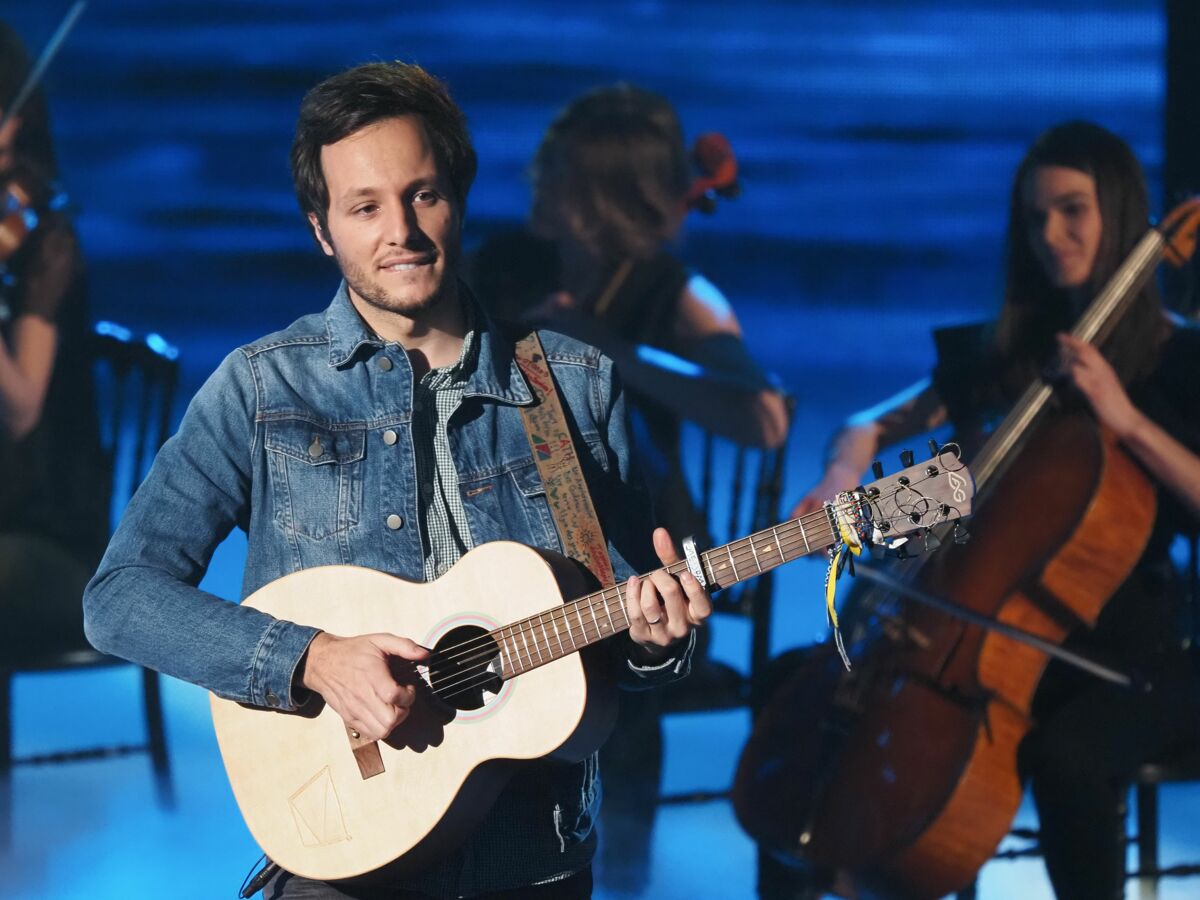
27,198
27,195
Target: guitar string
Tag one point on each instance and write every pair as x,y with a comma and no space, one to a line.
473,673
484,648
471,676
743,554
476,675
560,614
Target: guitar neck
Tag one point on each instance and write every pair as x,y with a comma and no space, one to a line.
566,629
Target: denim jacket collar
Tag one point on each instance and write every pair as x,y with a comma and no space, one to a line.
496,374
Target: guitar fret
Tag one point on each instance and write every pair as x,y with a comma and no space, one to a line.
807,549
526,643
778,546
545,637
557,634
612,629
754,550
595,621
732,564
570,630
582,627
505,656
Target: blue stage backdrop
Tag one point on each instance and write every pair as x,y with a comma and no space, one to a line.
876,141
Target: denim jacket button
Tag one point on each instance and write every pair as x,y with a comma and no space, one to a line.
395,522
272,700
385,363
390,437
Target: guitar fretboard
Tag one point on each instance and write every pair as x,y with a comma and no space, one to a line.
533,642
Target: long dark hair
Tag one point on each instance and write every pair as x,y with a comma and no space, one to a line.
1034,309
612,174
34,149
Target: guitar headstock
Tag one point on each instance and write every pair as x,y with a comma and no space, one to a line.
914,500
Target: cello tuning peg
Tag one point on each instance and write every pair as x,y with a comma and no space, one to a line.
934,449
906,458
961,535
877,469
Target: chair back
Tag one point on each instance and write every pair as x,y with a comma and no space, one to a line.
740,491
136,378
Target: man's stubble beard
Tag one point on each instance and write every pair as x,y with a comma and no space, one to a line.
376,295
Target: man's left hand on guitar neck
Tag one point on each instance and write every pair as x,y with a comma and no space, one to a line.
663,609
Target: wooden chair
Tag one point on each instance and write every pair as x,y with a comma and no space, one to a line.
1181,766
740,489
135,384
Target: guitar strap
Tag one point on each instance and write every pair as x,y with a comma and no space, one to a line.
554,451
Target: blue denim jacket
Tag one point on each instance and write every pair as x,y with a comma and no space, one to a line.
255,450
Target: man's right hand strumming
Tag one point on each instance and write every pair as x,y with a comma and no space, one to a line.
354,676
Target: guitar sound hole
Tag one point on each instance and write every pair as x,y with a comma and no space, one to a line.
463,671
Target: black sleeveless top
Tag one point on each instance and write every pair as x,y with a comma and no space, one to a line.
56,480
1140,624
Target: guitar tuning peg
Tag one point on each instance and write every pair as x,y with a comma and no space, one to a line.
934,449
961,535
906,458
877,469
932,542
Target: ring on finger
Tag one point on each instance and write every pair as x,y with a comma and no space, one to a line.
654,622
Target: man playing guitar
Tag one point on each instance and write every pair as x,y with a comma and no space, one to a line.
385,433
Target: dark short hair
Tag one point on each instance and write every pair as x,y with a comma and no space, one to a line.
612,173
350,101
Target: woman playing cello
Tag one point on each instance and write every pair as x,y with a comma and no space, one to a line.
1078,206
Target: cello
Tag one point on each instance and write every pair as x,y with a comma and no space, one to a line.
899,778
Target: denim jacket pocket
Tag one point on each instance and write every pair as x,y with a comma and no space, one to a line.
540,528
316,475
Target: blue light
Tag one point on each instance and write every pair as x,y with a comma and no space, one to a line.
159,345
113,330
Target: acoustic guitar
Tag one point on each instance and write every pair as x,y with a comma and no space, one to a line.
511,677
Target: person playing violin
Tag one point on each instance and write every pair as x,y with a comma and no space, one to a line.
1078,207
611,182
53,483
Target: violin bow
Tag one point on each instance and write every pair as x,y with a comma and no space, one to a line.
48,53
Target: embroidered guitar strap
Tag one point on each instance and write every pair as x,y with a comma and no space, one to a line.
550,440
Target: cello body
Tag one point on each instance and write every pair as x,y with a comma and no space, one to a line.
899,779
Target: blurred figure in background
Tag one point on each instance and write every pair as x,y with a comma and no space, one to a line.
611,181
53,480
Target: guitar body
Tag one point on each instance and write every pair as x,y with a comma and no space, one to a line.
295,774
326,804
